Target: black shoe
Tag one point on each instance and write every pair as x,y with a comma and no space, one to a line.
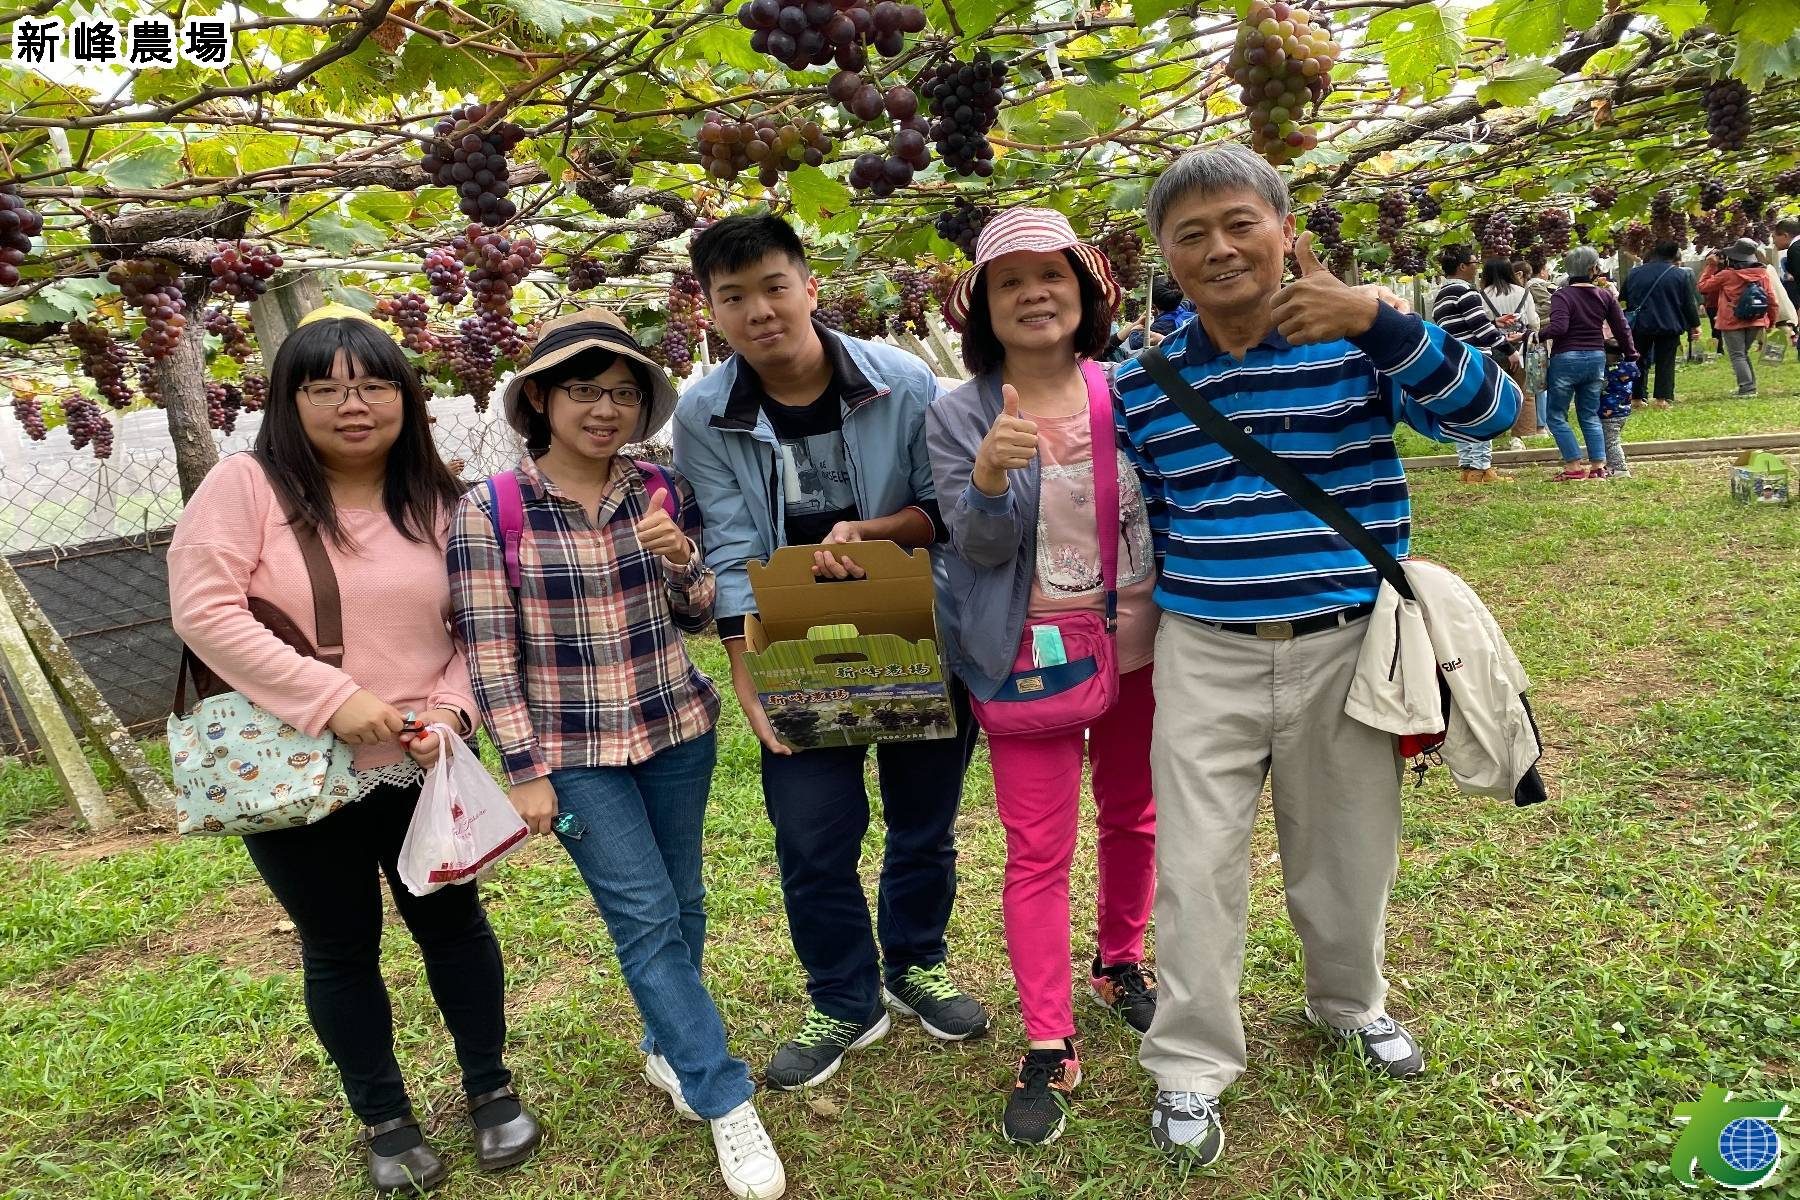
1383,1043
509,1143
815,1055
416,1169
1038,1106
946,1013
1129,990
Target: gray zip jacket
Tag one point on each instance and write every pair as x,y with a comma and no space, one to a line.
993,539
726,449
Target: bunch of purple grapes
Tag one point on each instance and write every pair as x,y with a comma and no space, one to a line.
19,223
411,314
256,392
103,361
686,322
584,274
914,284
29,410
1727,104
1496,236
242,270
965,102
961,224
87,424
472,159
1124,249
498,265
1554,226
444,270
220,323
810,33
1326,224
470,357
1390,215
152,286
728,147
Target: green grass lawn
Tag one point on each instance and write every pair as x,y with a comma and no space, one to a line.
1574,970
1706,405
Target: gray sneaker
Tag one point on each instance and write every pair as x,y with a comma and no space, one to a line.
1186,1124
1383,1043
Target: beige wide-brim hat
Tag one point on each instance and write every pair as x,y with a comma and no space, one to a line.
1041,229
589,329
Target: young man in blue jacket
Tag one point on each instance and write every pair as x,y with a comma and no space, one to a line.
1264,610
807,437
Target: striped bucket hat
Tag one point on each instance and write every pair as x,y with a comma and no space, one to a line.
1041,229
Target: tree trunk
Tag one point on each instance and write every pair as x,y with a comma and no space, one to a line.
273,315
181,379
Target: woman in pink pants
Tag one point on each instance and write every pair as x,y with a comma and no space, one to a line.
1013,452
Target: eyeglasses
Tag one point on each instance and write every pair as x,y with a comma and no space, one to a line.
372,391
625,396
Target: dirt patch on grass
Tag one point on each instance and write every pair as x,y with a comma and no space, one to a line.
248,932
58,834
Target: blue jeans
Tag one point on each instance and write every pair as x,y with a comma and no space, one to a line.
1581,374
637,845
1475,456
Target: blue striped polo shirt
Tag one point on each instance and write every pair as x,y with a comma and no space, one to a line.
1230,545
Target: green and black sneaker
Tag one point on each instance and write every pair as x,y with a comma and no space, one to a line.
945,1012
816,1053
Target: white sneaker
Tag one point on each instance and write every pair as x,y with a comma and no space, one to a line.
660,1074
1517,443
747,1157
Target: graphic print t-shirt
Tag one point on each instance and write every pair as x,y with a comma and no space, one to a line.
815,467
1069,576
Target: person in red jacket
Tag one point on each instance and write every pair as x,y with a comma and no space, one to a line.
1724,286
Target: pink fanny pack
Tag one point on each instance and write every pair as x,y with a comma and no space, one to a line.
1039,701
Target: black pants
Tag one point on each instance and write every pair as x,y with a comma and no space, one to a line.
328,878
1657,350
820,810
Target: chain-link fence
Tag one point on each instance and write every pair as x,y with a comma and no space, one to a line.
55,496
88,538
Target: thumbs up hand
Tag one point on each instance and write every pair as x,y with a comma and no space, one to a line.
659,534
1011,443
1320,307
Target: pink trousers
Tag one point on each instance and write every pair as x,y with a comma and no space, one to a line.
1037,787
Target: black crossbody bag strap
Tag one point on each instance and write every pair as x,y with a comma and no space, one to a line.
1272,467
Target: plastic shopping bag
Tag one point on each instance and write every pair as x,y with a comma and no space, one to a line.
463,824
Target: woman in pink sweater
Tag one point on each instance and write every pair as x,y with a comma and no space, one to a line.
345,443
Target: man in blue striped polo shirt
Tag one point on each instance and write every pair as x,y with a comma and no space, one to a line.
1265,611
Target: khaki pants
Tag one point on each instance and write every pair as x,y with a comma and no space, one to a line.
1232,710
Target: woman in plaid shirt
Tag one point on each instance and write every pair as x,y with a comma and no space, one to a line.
604,725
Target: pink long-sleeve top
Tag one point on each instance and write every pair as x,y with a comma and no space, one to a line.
233,543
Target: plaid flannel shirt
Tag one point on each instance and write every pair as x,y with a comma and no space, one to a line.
584,666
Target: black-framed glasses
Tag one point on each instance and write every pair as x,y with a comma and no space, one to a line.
372,391
623,396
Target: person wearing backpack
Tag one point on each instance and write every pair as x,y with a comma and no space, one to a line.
1660,306
572,579
1742,289
1462,311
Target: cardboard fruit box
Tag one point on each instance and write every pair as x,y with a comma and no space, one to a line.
848,662
1762,478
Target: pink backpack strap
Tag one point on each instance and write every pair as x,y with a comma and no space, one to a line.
509,520
1106,481
655,476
